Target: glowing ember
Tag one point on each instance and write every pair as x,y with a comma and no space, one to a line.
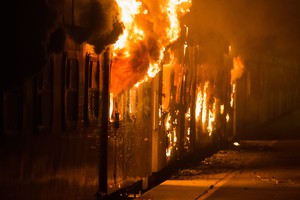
227,117
168,122
236,144
149,26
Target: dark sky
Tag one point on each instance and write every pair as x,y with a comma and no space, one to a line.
252,25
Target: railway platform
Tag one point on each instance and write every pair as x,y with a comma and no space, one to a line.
263,164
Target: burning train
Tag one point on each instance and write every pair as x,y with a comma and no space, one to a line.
92,122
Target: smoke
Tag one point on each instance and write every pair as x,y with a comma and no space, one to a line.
98,20
251,26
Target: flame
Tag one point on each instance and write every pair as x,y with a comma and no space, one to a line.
168,122
232,95
149,27
238,69
205,108
211,118
128,10
171,133
201,101
111,106
204,105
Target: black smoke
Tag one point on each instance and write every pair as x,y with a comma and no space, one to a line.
98,22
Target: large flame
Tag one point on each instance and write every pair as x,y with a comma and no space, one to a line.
205,110
149,27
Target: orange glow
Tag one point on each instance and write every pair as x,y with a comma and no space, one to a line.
149,26
238,69
211,118
204,105
171,135
232,95
201,102
227,117
222,107
206,109
111,106
132,103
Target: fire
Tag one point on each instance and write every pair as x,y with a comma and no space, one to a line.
211,118
201,102
171,137
128,10
232,95
238,69
149,27
236,73
111,106
205,109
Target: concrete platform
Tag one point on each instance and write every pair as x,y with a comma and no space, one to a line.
265,168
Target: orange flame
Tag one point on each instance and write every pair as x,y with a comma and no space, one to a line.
149,27
238,69
205,109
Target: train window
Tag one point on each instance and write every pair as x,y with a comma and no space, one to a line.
70,88
43,98
92,90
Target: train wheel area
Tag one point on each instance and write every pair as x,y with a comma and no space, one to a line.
136,189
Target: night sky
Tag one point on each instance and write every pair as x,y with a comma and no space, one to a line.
253,25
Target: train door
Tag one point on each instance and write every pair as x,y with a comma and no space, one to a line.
43,98
70,89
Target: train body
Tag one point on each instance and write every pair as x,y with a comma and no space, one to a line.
64,135
68,135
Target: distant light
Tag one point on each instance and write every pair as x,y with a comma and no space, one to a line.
236,144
